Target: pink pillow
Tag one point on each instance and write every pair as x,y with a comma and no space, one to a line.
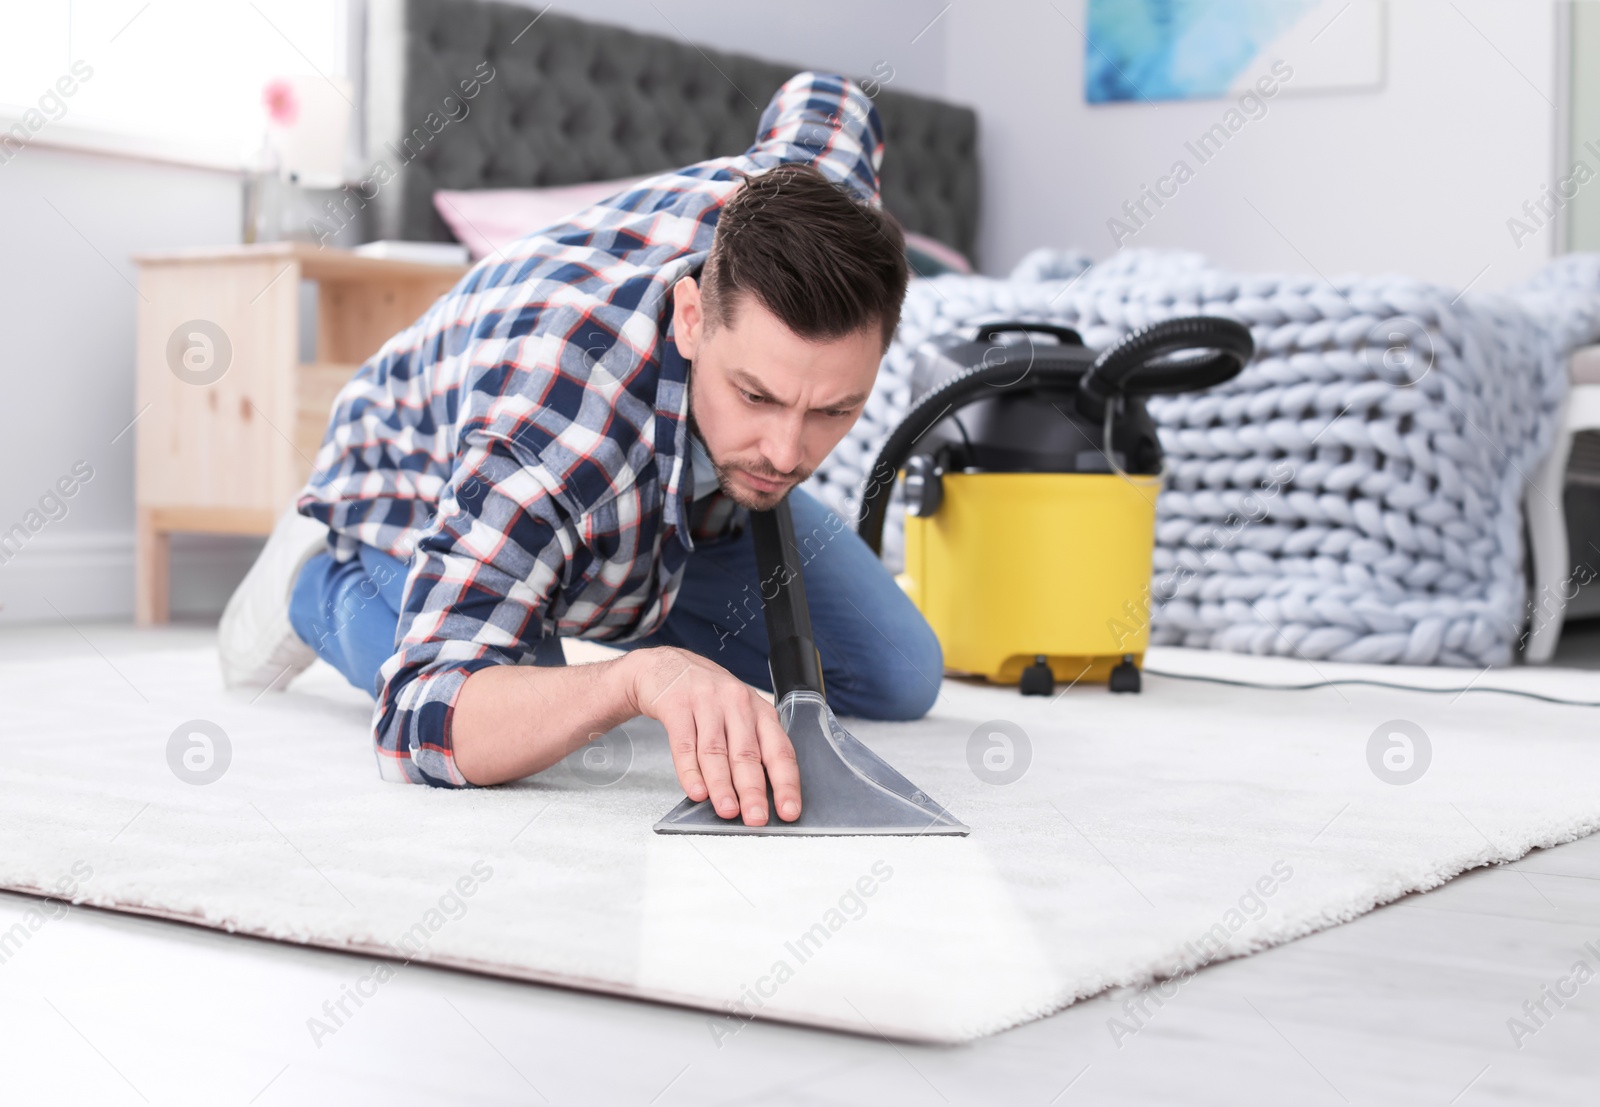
488,219
938,251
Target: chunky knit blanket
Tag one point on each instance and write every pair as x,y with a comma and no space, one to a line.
1355,494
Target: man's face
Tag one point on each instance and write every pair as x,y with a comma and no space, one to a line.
768,404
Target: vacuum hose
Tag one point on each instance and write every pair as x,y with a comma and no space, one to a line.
1140,364
1134,366
953,393
792,657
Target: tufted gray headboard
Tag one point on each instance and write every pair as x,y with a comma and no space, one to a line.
572,101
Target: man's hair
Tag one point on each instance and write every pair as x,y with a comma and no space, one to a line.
824,262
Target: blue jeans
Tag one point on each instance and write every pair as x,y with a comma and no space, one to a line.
880,659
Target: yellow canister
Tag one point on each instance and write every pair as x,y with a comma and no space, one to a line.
1013,566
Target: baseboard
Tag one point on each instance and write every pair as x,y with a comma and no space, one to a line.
88,575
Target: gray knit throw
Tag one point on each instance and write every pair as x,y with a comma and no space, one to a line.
1355,494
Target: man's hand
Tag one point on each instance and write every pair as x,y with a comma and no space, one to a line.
722,733
511,721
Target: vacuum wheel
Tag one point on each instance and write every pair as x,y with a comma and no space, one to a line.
1125,677
1037,680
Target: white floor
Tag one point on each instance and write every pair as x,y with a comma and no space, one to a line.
1409,1004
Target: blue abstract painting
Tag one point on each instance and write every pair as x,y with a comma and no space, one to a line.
1179,49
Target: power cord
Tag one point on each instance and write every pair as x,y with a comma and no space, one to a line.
1371,683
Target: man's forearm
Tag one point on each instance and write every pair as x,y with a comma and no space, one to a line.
511,721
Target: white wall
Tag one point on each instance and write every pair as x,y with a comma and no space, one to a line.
1583,227
68,224
1419,177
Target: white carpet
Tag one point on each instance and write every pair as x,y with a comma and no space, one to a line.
1140,824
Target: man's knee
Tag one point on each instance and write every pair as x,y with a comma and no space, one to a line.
901,682
338,609
307,599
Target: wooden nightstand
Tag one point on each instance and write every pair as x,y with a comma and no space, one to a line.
228,415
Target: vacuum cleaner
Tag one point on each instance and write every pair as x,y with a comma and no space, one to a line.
845,788
1031,470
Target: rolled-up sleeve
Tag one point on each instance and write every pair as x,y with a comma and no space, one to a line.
479,592
829,121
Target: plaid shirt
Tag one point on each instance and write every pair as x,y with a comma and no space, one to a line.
523,443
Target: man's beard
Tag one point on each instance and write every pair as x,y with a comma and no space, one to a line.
746,498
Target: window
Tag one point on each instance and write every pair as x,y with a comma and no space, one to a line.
174,79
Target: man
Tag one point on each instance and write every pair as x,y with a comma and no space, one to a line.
568,444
